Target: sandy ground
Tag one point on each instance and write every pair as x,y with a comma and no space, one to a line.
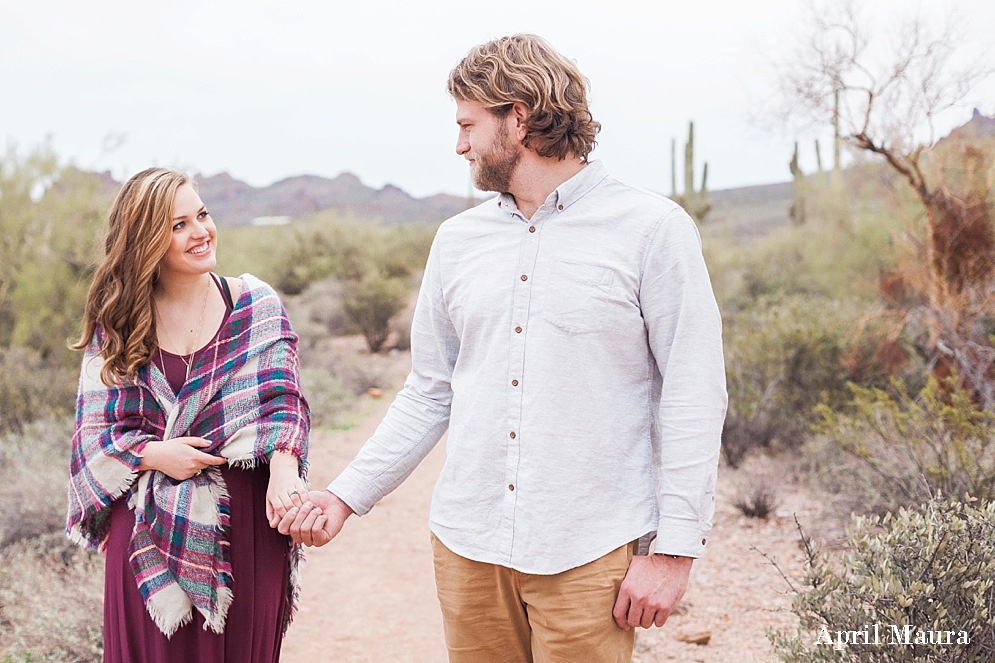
369,595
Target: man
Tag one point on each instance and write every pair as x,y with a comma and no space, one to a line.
567,336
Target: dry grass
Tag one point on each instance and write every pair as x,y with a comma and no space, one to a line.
50,602
50,591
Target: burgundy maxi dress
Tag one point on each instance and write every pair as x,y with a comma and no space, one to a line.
260,558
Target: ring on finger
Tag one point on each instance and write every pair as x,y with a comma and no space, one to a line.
295,492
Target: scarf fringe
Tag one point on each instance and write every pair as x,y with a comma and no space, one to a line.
170,608
216,622
78,535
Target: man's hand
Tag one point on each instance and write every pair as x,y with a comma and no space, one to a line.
317,521
652,587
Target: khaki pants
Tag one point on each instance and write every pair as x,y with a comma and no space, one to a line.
493,614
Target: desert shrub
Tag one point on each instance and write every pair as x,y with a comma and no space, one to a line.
323,302
757,497
51,227
358,371
932,569
911,447
327,395
50,602
33,388
317,314
782,359
257,250
371,303
827,259
403,329
327,246
34,467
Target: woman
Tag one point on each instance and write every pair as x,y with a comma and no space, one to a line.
191,433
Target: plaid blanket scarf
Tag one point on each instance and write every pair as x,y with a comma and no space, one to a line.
243,396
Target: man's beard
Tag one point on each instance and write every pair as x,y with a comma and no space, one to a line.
496,167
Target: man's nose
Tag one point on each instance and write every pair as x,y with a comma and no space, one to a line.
462,146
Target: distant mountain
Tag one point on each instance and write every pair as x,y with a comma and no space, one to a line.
233,202
751,212
978,127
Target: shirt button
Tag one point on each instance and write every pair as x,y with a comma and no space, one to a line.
514,383
511,486
532,229
513,435
518,330
524,277
559,207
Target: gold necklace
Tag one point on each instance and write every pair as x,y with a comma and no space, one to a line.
187,359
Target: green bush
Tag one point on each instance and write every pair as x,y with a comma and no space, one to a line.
932,570
913,447
825,259
51,230
371,303
325,245
782,359
33,388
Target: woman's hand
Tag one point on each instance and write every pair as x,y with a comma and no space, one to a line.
286,489
180,457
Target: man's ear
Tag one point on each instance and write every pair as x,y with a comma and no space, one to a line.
519,113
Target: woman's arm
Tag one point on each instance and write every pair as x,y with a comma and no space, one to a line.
286,488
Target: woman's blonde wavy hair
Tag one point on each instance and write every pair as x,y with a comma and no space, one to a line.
139,231
524,68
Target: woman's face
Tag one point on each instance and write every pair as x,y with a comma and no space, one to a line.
192,248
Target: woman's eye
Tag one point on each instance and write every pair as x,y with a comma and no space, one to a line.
203,214
179,225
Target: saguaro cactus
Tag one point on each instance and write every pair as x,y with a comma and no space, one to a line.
696,203
673,168
797,209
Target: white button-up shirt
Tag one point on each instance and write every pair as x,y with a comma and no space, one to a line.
576,359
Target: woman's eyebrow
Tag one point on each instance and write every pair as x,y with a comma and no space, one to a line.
185,216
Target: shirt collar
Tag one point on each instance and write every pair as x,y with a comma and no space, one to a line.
567,193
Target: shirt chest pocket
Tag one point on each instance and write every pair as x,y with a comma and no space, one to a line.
578,297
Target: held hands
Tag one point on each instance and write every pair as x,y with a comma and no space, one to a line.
316,521
652,587
286,489
179,457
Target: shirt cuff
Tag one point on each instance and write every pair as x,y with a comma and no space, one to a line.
355,490
678,537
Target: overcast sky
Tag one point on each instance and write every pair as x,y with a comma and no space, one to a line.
266,90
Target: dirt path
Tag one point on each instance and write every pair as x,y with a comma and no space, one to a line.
369,596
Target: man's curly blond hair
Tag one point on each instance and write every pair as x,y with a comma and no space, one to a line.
524,68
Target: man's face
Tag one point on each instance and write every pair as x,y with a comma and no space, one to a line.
485,141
